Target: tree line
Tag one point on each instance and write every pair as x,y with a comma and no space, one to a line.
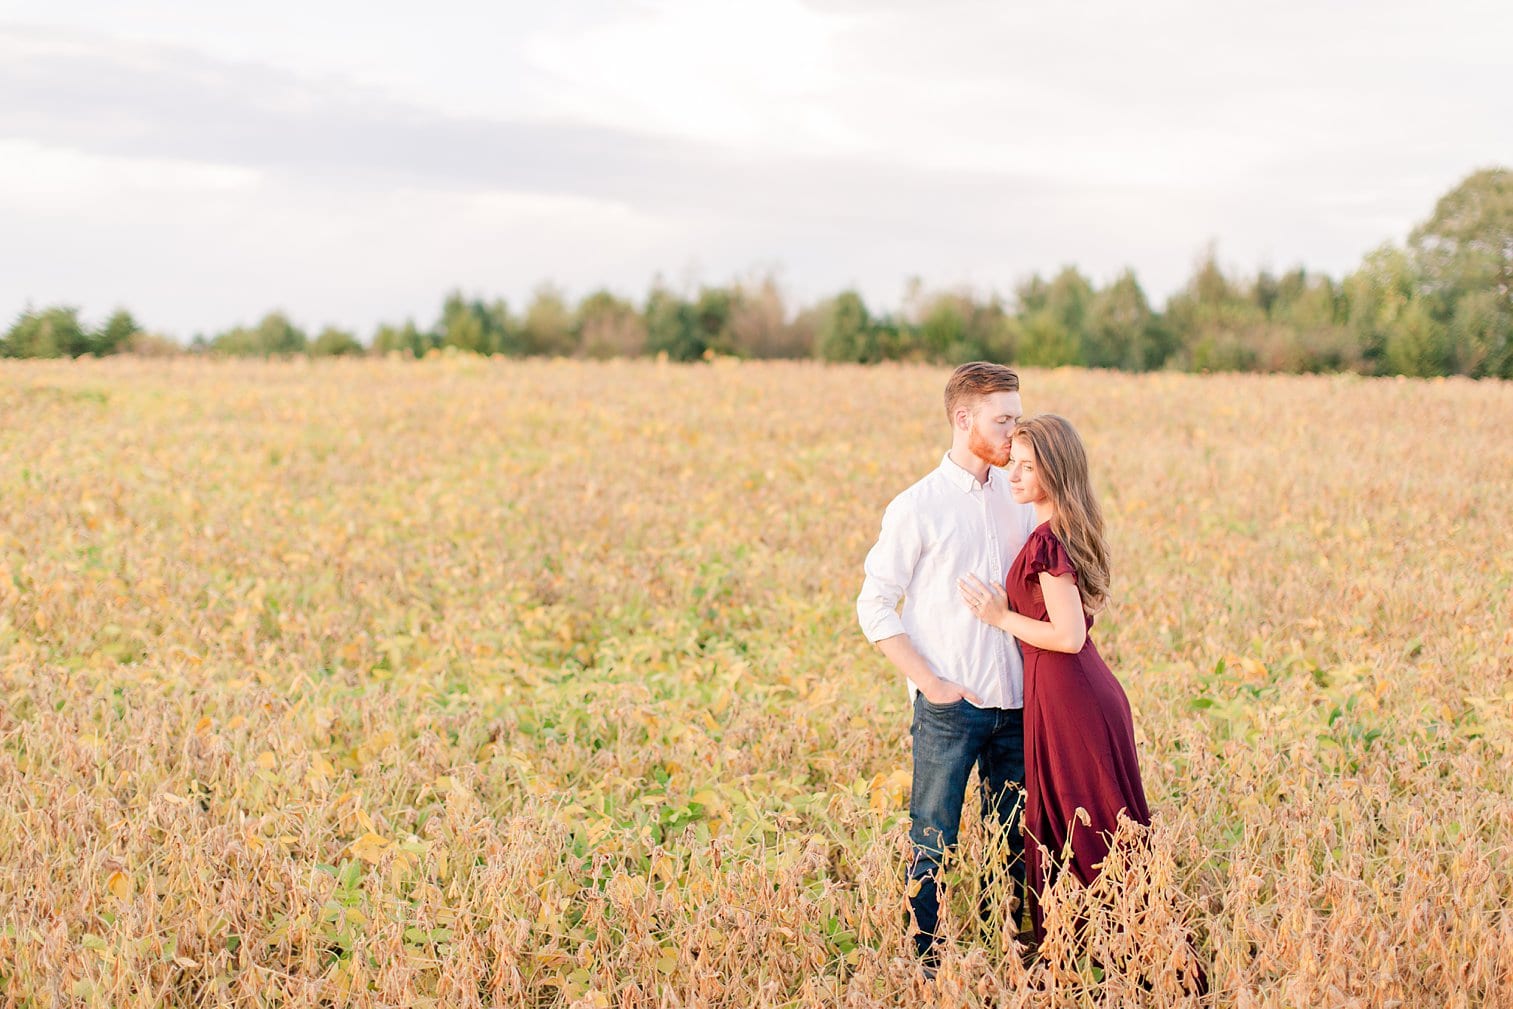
1440,304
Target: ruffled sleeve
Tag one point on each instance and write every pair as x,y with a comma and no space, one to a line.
1044,552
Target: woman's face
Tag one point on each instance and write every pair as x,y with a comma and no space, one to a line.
1024,476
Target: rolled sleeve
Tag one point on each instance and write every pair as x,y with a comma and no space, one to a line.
889,569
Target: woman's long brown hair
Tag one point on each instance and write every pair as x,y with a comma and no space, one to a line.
1061,465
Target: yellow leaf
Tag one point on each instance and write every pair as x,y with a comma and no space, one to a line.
404,863
266,760
371,748
370,847
119,884
319,771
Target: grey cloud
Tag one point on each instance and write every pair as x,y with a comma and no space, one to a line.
112,97
109,97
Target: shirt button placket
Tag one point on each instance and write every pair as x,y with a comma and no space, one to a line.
993,566
998,576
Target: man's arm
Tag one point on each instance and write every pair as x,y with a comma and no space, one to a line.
889,570
900,651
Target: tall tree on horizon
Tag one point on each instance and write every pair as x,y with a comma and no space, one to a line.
1464,256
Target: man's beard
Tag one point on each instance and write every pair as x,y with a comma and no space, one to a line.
985,450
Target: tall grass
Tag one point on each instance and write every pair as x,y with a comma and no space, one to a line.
471,683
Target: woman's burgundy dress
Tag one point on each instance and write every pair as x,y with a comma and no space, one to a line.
1079,738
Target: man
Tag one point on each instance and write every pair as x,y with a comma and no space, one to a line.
965,678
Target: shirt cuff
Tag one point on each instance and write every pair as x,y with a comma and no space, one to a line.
878,626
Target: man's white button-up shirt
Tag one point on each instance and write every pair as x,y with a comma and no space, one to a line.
946,526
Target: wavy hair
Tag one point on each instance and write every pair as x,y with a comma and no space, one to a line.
977,379
1061,465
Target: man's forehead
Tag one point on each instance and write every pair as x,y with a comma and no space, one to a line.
1003,402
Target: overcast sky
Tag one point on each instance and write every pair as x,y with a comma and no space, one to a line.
350,162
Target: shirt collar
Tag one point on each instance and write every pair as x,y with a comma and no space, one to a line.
960,478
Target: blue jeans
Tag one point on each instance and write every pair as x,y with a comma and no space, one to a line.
948,740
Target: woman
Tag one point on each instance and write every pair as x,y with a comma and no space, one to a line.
1079,738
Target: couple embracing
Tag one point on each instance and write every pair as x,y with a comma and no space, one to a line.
1000,559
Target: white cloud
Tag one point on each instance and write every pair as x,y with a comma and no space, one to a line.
752,73
187,260
35,177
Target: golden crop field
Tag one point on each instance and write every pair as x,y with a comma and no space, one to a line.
467,682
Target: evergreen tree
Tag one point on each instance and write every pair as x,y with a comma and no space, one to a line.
548,329
52,332
1215,324
478,327
117,334
1121,330
844,330
334,342
672,326
273,335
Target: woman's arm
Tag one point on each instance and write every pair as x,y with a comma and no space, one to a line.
1065,631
